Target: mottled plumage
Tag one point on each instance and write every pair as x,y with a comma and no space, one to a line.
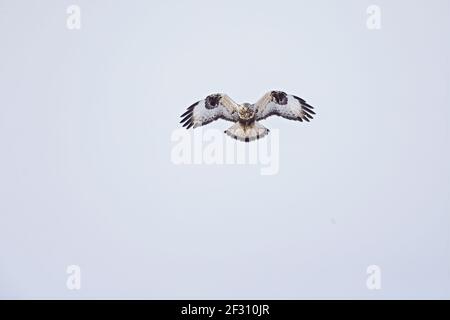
246,115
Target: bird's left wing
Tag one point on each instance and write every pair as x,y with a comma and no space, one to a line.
284,105
213,107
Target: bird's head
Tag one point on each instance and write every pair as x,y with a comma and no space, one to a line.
246,112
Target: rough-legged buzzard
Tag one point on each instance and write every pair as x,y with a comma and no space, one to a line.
246,115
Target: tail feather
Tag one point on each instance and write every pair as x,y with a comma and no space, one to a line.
247,133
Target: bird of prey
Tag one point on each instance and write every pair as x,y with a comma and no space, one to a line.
246,115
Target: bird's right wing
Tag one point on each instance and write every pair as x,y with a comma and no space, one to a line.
213,107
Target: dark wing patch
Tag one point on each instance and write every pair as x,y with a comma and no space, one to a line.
213,107
284,105
279,97
212,101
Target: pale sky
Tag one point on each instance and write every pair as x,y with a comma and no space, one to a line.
86,177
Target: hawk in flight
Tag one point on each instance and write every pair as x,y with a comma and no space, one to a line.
246,115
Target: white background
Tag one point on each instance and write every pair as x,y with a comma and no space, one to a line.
86,177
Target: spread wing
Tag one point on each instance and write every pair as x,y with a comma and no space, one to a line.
284,105
213,107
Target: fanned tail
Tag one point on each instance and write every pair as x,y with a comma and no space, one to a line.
247,133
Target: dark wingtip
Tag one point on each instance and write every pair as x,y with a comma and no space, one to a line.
190,109
189,116
193,105
307,108
308,105
300,99
186,113
305,105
